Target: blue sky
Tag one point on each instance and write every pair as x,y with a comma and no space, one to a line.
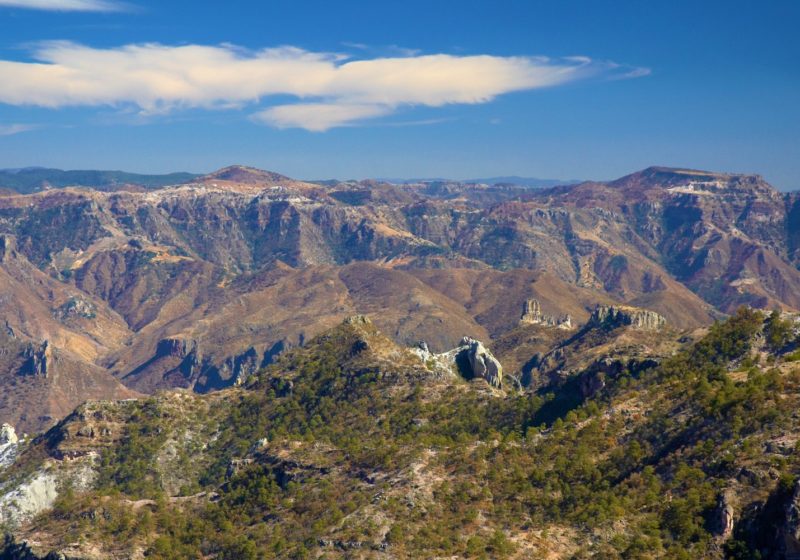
562,89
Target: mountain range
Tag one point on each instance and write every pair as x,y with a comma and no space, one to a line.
532,182
198,284
28,180
178,351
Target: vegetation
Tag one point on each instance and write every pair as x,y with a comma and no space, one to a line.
326,453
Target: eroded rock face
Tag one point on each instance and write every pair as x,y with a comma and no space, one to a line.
470,359
723,516
8,435
612,316
177,347
39,361
531,312
532,315
29,499
8,445
482,363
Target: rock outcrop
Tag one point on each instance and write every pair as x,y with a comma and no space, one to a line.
612,316
481,363
188,350
532,315
723,516
38,361
76,307
7,247
29,499
470,359
175,347
357,320
8,445
531,312
8,435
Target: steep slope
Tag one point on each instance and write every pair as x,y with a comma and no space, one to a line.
724,236
42,384
51,335
353,447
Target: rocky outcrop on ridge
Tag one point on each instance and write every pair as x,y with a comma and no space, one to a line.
532,315
612,316
470,359
482,364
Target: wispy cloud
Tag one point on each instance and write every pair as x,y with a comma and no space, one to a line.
11,129
420,122
67,5
331,89
319,117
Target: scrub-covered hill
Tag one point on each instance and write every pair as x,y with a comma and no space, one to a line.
356,447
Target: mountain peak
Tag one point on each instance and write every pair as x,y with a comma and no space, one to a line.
244,174
670,176
658,178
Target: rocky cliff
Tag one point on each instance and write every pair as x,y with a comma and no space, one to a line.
612,316
532,315
475,361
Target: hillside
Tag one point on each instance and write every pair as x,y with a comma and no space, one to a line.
355,447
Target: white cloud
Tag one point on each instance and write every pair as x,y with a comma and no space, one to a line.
11,129
319,117
66,5
331,89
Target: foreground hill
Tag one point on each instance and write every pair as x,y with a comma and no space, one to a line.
199,284
355,447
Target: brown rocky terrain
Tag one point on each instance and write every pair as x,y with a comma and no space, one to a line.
198,285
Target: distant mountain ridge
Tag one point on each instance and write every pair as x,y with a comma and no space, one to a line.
532,182
34,179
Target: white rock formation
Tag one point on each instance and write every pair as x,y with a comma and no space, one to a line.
482,363
470,359
29,499
8,445
532,315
